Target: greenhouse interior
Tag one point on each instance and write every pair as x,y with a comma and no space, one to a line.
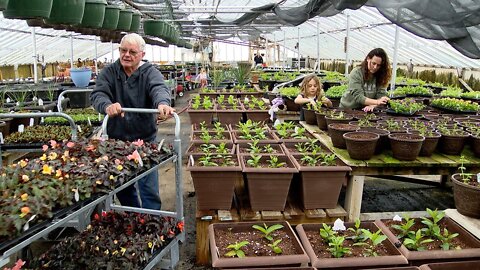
221,134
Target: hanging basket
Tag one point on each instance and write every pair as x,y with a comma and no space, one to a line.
125,20
3,4
94,13
28,9
135,25
67,12
153,27
112,14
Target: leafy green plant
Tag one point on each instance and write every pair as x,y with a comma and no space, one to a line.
207,160
405,106
375,239
309,160
471,95
453,92
357,231
404,227
241,73
236,249
19,96
446,239
336,247
327,232
268,230
336,91
466,177
416,241
274,162
456,104
268,149
274,246
433,229
218,76
254,160
291,92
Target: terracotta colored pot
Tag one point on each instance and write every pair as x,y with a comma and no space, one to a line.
310,117
230,116
360,144
429,145
198,116
453,144
406,146
470,265
257,115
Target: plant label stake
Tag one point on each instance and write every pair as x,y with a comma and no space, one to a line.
21,128
31,121
1,137
40,102
478,174
79,128
191,157
89,122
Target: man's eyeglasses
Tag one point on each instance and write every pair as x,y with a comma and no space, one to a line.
131,52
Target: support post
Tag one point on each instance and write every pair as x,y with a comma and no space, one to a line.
35,68
347,56
395,56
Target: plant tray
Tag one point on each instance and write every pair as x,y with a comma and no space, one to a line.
392,112
10,146
452,110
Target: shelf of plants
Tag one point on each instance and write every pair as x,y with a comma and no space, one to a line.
91,158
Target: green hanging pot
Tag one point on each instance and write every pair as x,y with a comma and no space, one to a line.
94,13
67,12
3,4
28,9
112,14
135,26
153,27
125,20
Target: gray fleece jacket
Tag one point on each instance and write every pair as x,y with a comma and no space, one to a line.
145,88
359,89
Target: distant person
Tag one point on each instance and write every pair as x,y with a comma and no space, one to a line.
258,59
410,69
311,91
367,82
202,78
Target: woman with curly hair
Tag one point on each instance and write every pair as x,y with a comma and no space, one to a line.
367,83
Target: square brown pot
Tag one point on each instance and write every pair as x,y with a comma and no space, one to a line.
467,265
300,257
214,186
321,185
258,115
198,116
268,187
421,257
395,258
230,116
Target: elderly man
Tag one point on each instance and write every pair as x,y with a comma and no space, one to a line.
133,83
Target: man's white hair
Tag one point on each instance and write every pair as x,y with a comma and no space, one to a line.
134,38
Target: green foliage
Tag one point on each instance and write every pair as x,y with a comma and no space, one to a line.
375,239
456,104
274,162
291,92
416,241
336,247
241,73
471,95
327,232
274,246
268,230
236,249
404,227
218,76
358,232
453,92
336,91
432,224
333,77
466,177
446,239
405,106
254,160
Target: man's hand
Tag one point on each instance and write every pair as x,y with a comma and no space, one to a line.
114,110
164,111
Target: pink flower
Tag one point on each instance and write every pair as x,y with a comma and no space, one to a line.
53,143
135,156
70,144
45,148
118,161
138,142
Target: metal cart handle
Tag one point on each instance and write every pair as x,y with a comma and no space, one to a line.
140,110
60,97
45,114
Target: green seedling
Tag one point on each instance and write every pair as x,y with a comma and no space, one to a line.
236,249
267,230
274,246
415,242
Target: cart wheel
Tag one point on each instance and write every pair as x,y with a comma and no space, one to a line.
180,94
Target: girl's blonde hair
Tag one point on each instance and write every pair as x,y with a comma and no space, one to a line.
306,80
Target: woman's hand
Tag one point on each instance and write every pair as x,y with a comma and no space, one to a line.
383,100
369,108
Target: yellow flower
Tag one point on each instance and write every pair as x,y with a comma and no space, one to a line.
111,177
99,182
123,250
115,242
106,252
43,157
24,196
47,169
52,156
23,163
150,245
97,248
119,167
58,173
25,178
114,252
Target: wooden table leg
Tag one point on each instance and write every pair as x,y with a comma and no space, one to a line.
353,197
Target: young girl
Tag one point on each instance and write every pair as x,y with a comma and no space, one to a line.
311,91
202,78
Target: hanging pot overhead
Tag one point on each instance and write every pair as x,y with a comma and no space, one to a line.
28,9
112,14
3,4
135,25
125,20
94,13
67,12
